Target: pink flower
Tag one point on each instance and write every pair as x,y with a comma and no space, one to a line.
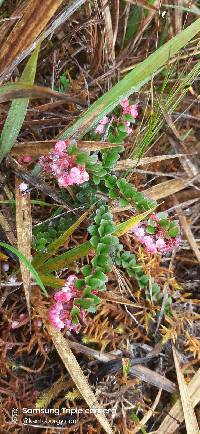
102,124
63,166
138,231
25,159
100,129
60,147
60,312
129,109
71,280
76,175
54,316
104,120
160,244
125,103
159,241
63,296
134,110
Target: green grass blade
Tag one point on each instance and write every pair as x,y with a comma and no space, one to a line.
27,264
58,242
170,103
18,109
132,82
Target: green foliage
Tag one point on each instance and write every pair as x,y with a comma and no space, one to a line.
63,84
105,245
132,195
48,232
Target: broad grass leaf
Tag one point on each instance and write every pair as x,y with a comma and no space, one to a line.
18,109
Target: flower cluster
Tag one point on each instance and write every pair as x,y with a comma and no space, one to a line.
25,159
100,129
157,234
131,110
123,121
63,166
60,313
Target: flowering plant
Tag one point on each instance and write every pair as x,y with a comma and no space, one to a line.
157,234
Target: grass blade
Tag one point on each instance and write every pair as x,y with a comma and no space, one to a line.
188,410
59,242
123,228
24,237
17,112
76,373
27,263
175,416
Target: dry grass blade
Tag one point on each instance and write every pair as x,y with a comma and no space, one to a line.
130,163
151,377
60,19
35,16
77,375
148,415
108,30
21,90
176,416
24,237
186,227
35,149
7,229
188,410
144,4
165,189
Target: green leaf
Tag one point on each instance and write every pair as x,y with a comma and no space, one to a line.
132,82
150,230
102,261
82,158
106,228
27,263
94,283
86,270
18,109
68,257
94,241
173,232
